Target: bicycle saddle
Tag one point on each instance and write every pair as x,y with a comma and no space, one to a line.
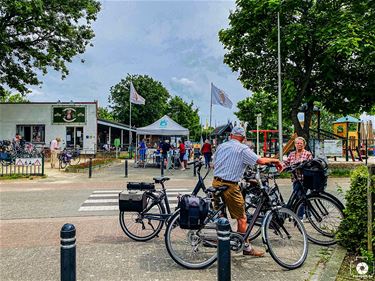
217,189
160,179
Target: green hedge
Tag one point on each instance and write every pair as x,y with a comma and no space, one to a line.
352,232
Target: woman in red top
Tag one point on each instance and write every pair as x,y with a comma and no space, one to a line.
182,150
207,152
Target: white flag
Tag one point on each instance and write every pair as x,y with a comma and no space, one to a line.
134,97
219,97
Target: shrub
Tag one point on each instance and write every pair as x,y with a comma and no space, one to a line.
352,232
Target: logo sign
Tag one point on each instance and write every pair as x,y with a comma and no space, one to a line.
28,162
163,123
361,268
68,114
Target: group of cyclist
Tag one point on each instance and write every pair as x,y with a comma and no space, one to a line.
230,161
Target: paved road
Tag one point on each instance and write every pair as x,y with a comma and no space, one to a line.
33,211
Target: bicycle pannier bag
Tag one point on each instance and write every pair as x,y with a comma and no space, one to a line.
132,201
193,211
140,186
315,173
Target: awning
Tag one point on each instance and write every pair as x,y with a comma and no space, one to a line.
165,126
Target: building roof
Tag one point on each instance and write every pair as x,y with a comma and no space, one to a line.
347,119
218,131
115,125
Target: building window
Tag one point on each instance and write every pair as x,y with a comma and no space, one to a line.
32,133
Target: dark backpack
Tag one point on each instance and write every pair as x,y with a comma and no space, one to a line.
193,211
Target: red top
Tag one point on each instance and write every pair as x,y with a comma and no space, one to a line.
206,148
181,147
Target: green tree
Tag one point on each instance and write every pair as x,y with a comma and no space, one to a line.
41,34
152,91
327,53
184,114
265,104
15,98
104,113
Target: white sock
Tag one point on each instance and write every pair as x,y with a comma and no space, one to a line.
248,247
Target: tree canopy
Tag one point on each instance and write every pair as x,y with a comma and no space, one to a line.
185,115
152,91
327,52
105,113
41,34
14,98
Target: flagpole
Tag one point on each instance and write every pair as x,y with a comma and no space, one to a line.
211,107
130,120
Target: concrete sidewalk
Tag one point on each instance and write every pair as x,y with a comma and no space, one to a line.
33,212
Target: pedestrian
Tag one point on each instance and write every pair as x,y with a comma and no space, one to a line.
55,148
181,147
165,147
299,155
207,152
142,150
230,161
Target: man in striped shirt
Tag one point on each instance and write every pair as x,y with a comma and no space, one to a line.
230,161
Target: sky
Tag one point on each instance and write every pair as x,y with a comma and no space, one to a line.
174,42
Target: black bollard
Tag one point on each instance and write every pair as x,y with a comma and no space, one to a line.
162,166
126,168
90,167
223,250
194,170
68,252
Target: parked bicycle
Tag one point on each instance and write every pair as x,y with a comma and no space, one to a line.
322,211
145,225
283,232
68,157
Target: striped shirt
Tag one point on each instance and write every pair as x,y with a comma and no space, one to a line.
231,158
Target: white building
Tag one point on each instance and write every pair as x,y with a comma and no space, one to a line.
76,123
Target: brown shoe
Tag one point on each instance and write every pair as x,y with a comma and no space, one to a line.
253,252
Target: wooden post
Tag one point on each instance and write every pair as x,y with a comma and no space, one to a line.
371,172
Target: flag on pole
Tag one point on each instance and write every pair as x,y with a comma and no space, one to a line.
134,96
219,97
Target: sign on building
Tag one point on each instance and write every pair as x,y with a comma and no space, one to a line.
68,114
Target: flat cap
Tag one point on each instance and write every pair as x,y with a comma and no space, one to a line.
238,131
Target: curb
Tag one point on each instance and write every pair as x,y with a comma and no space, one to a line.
332,267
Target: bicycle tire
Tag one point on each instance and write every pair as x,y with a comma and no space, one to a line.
129,222
323,217
62,163
282,230
184,245
333,197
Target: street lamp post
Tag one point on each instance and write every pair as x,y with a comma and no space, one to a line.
279,90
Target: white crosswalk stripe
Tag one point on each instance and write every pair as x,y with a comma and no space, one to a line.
107,200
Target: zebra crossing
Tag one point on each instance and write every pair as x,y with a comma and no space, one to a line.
107,200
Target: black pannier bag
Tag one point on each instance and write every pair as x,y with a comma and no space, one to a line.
315,173
193,211
132,201
140,186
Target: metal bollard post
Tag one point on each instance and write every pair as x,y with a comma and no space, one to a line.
68,252
223,250
90,167
162,166
194,169
126,168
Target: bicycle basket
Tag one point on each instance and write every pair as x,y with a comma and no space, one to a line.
140,186
315,173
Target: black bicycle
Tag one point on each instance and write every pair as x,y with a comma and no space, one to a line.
68,157
283,232
145,225
322,212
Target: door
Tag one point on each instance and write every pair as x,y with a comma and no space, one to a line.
74,137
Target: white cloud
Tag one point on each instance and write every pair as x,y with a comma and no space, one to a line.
183,81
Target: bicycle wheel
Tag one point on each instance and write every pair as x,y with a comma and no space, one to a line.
76,159
285,237
62,163
323,217
192,249
143,227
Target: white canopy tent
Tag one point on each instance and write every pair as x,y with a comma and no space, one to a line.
165,126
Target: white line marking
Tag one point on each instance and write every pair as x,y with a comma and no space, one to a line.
101,201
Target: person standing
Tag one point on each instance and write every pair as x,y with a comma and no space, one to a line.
142,150
181,147
230,161
299,155
55,148
207,152
165,147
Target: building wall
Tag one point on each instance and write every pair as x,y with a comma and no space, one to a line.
12,115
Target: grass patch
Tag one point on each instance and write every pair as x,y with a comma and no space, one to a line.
19,176
340,172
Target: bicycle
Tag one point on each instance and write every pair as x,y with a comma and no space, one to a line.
145,225
323,211
68,157
196,249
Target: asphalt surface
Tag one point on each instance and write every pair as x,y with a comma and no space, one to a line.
33,212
